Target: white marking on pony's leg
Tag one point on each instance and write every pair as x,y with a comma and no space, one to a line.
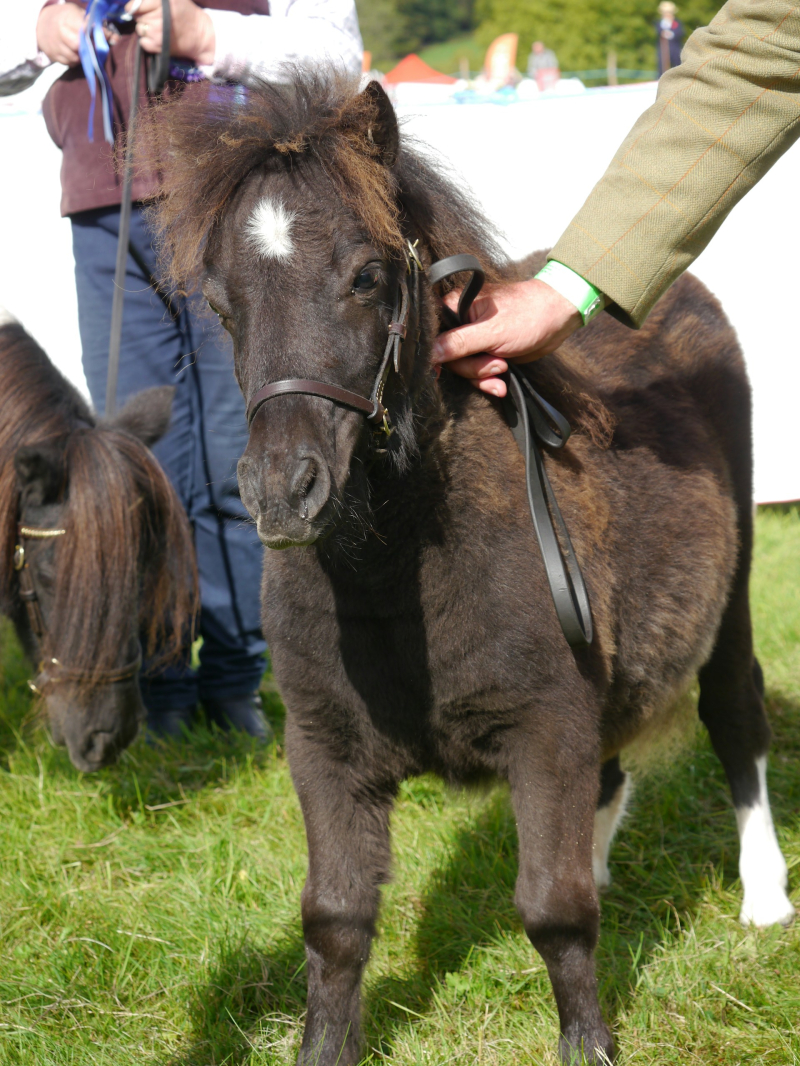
269,229
606,821
762,867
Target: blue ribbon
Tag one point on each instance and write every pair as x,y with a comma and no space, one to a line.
93,50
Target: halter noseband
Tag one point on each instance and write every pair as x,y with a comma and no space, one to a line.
51,671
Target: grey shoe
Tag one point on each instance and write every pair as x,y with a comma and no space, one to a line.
173,722
240,712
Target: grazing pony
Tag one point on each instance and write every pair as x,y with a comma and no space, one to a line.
95,549
408,613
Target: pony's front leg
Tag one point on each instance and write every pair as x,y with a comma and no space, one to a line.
347,826
554,786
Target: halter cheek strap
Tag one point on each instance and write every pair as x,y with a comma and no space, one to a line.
51,670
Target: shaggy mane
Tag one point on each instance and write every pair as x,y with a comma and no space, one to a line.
206,139
121,516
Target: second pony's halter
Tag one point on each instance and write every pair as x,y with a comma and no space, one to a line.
531,418
51,670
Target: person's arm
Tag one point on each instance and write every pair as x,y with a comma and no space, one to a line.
720,121
228,45
295,31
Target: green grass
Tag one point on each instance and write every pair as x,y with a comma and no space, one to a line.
446,57
149,913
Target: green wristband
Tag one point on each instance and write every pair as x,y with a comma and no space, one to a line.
589,300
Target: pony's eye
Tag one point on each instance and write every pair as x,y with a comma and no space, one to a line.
367,280
224,320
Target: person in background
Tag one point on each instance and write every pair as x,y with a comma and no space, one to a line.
670,37
685,164
543,66
164,340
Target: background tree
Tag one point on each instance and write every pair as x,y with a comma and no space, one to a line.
582,32
379,20
393,28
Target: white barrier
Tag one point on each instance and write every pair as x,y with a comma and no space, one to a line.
531,164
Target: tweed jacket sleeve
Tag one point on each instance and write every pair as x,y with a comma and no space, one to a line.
720,121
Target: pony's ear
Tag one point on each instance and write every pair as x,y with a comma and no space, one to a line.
383,131
40,472
146,415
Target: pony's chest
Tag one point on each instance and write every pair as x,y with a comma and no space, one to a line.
437,642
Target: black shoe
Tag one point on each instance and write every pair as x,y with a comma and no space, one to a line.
240,712
171,722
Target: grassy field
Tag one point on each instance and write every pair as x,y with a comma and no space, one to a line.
446,57
149,914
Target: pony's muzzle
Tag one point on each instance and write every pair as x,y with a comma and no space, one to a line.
286,495
96,725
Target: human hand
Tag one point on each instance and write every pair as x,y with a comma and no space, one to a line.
58,30
191,34
515,322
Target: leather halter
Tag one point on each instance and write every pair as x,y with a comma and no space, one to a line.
372,405
531,420
51,671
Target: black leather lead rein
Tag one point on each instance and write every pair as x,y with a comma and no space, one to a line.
531,419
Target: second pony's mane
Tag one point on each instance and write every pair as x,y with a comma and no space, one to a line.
36,404
119,510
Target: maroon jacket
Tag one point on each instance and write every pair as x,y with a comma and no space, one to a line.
88,176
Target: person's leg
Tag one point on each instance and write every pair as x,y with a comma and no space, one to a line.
228,548
199,453
151,354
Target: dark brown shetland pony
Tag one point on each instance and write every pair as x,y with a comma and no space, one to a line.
123,568
409,618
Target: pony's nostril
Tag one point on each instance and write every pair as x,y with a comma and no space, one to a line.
304,478
251,487
100,747
310,487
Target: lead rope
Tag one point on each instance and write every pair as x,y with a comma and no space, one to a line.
532,419
157,72
123,239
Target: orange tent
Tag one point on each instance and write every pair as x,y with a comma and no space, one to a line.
412,68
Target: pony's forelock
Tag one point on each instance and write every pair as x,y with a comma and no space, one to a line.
206,140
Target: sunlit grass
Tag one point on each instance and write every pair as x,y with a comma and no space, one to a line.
150,913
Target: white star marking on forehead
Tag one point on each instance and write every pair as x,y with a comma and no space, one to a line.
269,229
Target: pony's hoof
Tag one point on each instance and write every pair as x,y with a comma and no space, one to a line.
770,906
596,1051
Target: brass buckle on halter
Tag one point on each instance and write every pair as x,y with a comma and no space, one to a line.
413,256
42,677
19,557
